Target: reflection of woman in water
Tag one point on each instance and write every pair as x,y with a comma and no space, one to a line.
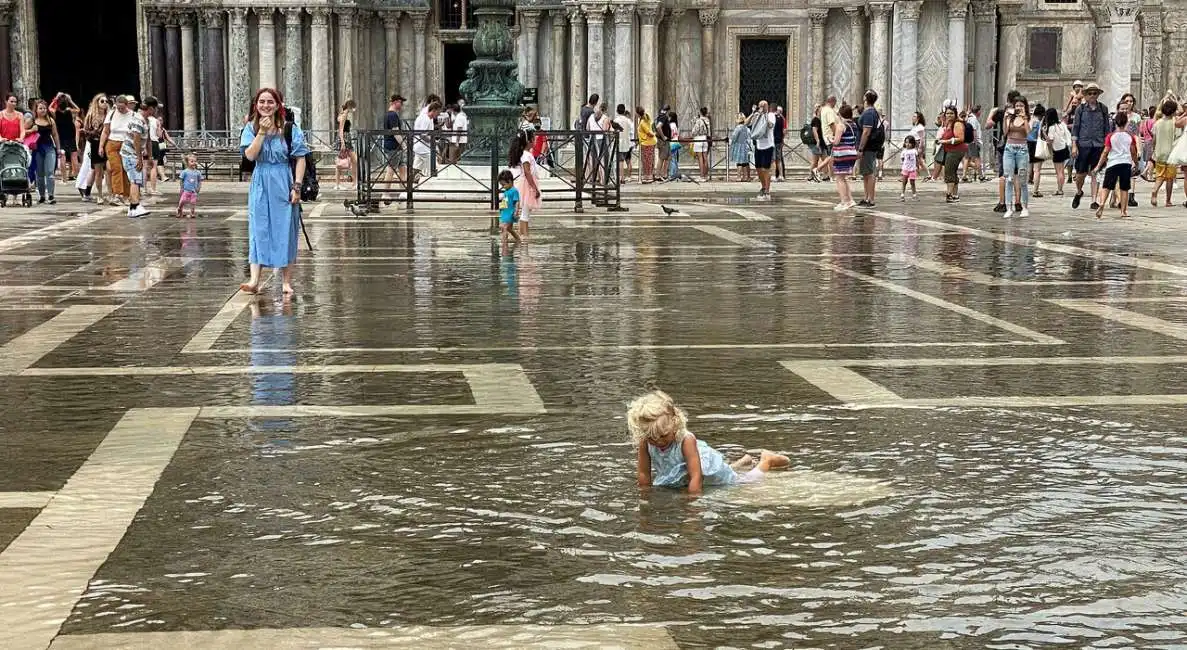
272,344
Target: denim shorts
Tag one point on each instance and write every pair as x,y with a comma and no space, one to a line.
135,176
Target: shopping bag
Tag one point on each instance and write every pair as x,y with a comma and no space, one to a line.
1042,150
1178,155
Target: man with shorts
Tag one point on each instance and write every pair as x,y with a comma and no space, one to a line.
663,136
393,144
1089,130
873,138
762,130
134,151
972,161
422,148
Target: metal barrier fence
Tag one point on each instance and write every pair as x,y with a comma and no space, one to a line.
410,167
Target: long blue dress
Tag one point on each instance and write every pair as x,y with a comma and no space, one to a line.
668,468
272,222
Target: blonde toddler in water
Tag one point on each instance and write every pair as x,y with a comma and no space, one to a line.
669,455
191,184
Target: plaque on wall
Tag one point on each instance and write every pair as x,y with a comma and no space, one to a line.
531,95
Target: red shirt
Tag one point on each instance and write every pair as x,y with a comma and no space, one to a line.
10,129
946,137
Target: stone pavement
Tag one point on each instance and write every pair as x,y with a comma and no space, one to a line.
425,447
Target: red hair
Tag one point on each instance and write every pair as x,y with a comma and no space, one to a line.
252,115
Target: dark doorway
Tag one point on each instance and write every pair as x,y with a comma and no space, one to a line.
86,48
456,57
763,67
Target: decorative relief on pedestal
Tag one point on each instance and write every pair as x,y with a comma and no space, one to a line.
709,16
958,9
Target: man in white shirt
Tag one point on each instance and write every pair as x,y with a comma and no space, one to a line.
425,121
461,128
762,129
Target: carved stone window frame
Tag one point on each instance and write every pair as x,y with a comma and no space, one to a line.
1058,31
793,33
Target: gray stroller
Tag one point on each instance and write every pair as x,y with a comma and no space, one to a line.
14,173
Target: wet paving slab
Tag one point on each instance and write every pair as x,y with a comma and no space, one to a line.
985,427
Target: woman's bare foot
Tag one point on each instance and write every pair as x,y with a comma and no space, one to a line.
770,460
249,288
743,464
288,290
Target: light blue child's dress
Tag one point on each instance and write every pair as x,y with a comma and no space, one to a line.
668,468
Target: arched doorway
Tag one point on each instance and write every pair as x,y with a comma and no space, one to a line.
87,48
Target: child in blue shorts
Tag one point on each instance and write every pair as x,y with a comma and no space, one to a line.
508,206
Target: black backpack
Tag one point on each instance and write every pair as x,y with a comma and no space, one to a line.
309,185
970,136
877,137
806,135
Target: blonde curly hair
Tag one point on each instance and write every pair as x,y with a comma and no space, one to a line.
654,415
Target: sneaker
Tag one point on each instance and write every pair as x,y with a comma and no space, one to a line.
52,201
137,212
763,197
914,196
1094,205
841,207
1076,200
40,200
1025,213
1133,203
902,198
1000,207
870,204
1038,194
863,203
1009,214
1017,207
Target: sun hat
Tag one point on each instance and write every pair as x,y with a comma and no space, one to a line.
1092,87
1077,83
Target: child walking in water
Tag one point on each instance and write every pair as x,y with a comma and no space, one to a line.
910,165
1118,160
669,455
191,184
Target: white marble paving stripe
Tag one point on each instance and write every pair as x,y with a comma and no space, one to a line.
976,277
47,567
147,276
729,235
511,407
25,499
841,383
40,234
747,214
536,637
1037,337
658,209
501,372
987,361
214,328
1125,317
627,347
1113,258
22,258
32,307
1027,401
1153,299
503,388
26,349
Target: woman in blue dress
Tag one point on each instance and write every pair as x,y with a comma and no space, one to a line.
275,194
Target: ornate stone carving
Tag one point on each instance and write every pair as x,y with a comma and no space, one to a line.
818,17
576,17
1175,21
880,12
594,14
624,14
188,19
292,16
1123,11
347,18
420,19
319,16
530,19
984,11
709,16
649,14
909,9
856,16
213,18
238,16
958,9
391,18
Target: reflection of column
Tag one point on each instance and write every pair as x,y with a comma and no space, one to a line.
189,73
346,54
1010,50
214,71
984,52
173,89
321,108
5,53
420,20
624,58
530,23
294,50
648,61
708,18
576,63
905,86
1122,14
558,112
595,23
156,51
879,54
958,12
267,40
240,70
391,39
857,44
1152,83
818,17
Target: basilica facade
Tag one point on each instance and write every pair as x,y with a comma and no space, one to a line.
205,59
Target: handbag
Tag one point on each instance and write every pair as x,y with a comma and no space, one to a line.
343,159
1042,150
1178,155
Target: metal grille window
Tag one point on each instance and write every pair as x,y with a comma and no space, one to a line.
1042,49
456,14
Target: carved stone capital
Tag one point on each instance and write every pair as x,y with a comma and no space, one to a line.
576,17
420,20
649,14
624,14
391,18
266,15
213,18
958,9
347,18
818,16
856,15
530,18
319,16
172,17
1122,11
708,16
292,16
984,11
1150,21
879,12
1174,21
594,14
238,17
909,9
187,18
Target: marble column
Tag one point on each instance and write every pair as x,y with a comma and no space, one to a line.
818,16
214,71
420,21
1103,63
649,69
557,111
267,44
1175,24
321,103
984,53
347,52
294,49
857,45
576,64
1009,52
595,23
880,50
905,84
530,26
174,101
189,73
241,93
670,59
958,12
5,50
708,18
624,57
1122,15
1153,84
156,51
391,42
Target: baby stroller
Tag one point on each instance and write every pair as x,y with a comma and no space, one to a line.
14,173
